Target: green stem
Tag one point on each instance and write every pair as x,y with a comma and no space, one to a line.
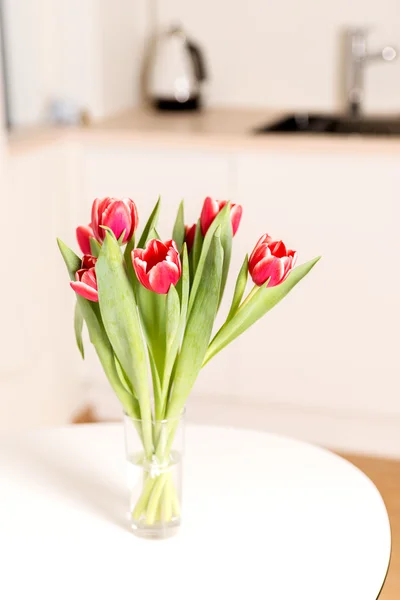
143,500
248,297
158,501
176,509
152,507
167,509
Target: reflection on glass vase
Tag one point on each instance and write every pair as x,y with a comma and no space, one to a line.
155,476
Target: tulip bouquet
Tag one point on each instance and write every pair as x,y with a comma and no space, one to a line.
150,307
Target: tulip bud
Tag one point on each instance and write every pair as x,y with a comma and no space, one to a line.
271,261
83,235
210,210
158,266
86,282
118,215
190,232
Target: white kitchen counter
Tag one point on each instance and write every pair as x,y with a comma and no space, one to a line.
219,128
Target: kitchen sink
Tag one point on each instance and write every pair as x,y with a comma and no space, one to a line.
333,125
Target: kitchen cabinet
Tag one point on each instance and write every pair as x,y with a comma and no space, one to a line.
327,355
144,174
331,346
36,372
322,367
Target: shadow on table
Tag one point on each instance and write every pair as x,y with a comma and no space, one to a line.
77,483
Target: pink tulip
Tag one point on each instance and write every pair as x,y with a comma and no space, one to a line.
190,232
86,282
158,266
83,235
119,215
271,260
210,210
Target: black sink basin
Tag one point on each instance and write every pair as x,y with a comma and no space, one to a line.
333,124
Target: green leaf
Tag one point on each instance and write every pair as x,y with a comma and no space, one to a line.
173,309
196,250
152,309
226,241
152,312
121,237
172,353
72,261
122,375
128,261
219,221
121,322
151,224
156,387
95,246
98,337
78,326
240,287
199,327
178,233
260,303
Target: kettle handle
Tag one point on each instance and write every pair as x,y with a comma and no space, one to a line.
198,61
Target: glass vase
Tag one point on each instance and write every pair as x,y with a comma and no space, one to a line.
155,476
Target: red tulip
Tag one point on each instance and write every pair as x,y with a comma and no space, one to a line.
118,215
158,266
83,235
271,260
190,232
86,282
210,210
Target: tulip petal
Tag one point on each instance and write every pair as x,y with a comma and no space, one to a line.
278,249
95,218
208,213
134,216
137,253
85,290
162,276
155,252
83,235
98,208
190,232
293,254
258,254
287,265
89,278
236,215
173,257
277,272
117,217
140,267
268,268
88,261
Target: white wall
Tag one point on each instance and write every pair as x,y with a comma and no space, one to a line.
285,54
278,55
86,51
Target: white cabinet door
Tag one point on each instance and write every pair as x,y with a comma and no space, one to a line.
35,371
333,342
144,174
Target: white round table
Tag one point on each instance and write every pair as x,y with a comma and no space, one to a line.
263,517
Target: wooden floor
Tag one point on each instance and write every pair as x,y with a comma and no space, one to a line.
386,476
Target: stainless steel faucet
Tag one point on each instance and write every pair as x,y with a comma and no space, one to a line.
356,59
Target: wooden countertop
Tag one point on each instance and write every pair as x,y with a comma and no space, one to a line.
218,129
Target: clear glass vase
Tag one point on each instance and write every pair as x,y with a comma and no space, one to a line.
155,476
